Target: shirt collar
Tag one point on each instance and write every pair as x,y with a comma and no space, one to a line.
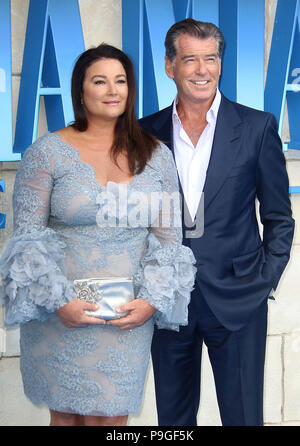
212,112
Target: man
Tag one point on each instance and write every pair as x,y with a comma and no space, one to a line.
234,155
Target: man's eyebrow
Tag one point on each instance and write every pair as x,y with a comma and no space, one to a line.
188,56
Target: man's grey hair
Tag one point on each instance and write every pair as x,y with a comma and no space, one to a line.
194,28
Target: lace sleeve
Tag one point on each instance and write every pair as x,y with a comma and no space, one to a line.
166,276
33,285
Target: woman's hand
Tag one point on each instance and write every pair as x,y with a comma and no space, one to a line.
139,312
72,314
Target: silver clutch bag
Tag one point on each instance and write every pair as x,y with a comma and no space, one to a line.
108,292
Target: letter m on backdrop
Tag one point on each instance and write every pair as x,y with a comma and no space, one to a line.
54,39
146,22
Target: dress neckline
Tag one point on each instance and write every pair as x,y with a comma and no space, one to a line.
128,183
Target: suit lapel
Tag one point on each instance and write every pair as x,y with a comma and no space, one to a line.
225,147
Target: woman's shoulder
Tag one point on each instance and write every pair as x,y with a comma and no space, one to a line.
162,162
42,144
45,152
48,145
161,155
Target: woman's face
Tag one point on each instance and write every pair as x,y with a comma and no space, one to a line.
105,90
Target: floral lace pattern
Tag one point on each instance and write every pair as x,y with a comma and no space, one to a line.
95,370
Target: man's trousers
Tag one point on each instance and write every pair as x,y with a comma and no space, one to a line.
237,360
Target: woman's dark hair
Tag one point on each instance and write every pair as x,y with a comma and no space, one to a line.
128,133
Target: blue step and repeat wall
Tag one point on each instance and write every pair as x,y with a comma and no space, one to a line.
54,39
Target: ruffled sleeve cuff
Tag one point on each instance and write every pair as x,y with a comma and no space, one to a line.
33,285
165,280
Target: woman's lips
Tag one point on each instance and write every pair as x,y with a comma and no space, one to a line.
112,102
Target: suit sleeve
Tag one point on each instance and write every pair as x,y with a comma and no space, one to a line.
275,207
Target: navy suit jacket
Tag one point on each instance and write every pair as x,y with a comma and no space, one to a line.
236,266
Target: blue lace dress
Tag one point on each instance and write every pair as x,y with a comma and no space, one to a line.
64,229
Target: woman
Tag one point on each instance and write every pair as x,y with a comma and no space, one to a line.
87,371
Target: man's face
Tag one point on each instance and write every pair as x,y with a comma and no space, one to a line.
196,69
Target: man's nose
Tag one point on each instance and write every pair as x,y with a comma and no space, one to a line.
201,67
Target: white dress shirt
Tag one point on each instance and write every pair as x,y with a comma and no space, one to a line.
192,162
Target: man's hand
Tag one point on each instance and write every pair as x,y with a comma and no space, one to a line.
139,312
72,314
